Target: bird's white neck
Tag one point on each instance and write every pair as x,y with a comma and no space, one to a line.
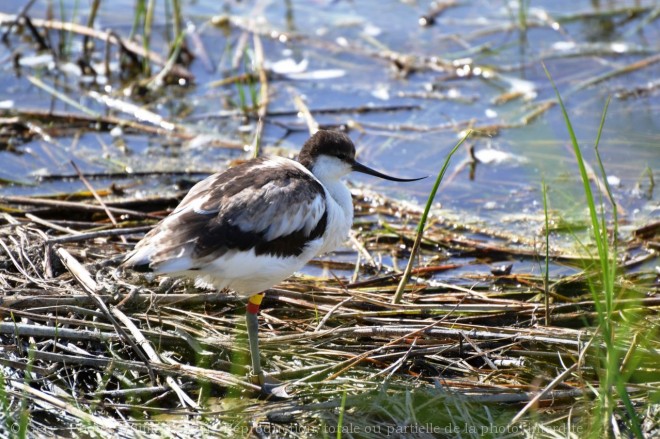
329,171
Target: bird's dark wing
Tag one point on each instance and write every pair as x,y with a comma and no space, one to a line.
272,205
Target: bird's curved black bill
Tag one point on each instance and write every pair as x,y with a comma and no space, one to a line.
359,167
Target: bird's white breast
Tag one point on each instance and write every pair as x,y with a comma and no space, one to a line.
329,171
340,215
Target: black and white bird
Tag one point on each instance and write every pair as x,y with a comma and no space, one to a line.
253,225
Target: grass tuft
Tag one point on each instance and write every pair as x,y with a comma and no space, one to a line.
603,295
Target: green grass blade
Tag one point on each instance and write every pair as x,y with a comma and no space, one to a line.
615,218
342,410
595,222
546,274
422,222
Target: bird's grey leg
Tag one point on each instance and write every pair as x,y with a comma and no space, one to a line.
252,320
269,385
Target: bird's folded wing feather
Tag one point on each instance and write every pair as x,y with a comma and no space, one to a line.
274,209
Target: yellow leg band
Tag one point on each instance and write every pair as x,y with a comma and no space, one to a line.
254,302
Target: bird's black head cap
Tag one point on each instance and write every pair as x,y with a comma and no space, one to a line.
326,142
339,145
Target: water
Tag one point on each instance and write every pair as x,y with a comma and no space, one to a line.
459,73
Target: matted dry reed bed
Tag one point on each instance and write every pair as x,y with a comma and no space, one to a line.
84,344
